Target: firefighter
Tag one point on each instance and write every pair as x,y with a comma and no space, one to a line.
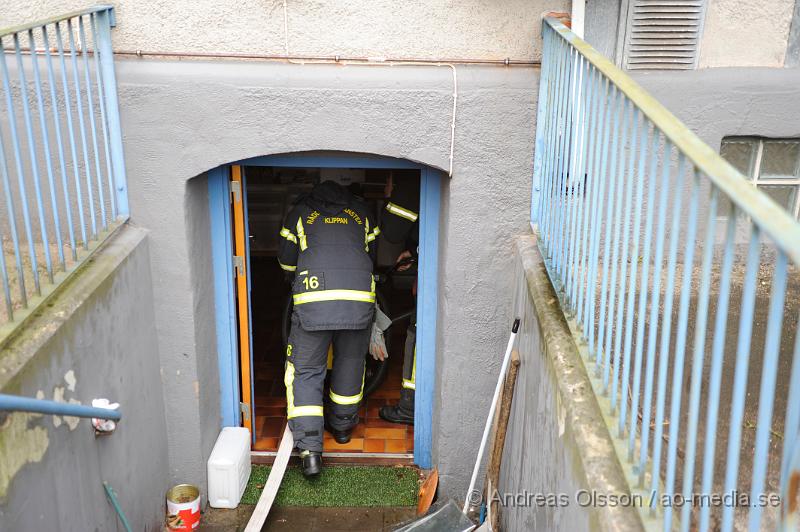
400,223
327,243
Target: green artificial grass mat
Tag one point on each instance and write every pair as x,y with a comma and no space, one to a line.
363,486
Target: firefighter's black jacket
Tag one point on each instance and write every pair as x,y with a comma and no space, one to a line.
327,240
400,222
402,213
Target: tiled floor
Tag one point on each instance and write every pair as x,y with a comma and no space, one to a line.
372,435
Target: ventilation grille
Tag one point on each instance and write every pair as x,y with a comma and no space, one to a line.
663,34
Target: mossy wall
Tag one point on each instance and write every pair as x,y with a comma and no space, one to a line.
97,339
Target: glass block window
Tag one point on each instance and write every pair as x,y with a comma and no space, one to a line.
772,165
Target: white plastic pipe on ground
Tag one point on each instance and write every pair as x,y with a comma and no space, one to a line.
500,378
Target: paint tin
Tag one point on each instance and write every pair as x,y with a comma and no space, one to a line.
183,507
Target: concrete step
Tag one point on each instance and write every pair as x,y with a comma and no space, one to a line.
306,518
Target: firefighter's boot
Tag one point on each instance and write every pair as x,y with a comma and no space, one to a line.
403,412
312,463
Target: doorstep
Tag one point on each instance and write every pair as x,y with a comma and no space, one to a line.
389,459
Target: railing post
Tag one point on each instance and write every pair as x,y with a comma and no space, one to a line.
105,21
538,147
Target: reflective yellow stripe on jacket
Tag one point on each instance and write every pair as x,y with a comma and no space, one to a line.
301,234
334,295
288,235
373,235
370,237
286,267
401,212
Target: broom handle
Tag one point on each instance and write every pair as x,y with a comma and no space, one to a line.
488,426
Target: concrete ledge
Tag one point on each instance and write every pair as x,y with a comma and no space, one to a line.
19,348
599,469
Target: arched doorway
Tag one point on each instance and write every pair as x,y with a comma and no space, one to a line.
234,317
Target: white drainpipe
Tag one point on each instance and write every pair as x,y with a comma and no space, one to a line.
578,16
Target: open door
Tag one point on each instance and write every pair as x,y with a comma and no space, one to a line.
241,261
250,288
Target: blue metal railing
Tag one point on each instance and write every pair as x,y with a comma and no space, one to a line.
626,203
16,403
61,162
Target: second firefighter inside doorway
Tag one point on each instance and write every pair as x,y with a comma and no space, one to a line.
400,225
327,247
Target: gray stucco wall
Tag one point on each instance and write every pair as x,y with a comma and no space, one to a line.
97,339
537,457
180,119
202,275
486,202
558,451
721,102
715,103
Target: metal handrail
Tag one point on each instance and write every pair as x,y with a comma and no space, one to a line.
627,203
16,403
63,188
59,18
777,223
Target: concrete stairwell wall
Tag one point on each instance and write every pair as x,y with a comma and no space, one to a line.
559,468
95,339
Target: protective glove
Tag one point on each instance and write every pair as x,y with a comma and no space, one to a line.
377,342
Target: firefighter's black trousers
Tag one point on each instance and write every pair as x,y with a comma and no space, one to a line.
306,365
406,403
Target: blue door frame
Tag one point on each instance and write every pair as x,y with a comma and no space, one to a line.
427,296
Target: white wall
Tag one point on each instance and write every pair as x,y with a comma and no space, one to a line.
745,33
484,29
736,33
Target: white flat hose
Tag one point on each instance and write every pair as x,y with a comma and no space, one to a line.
489,419
274,480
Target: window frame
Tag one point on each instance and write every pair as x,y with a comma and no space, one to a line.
755,178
